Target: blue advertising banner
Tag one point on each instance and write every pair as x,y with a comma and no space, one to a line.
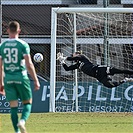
91,98
94,98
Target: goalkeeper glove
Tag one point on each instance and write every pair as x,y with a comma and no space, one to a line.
61,58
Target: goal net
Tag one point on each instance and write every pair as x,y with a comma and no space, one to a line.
105,36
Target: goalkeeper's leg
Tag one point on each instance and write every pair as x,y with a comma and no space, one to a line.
113,71
107,82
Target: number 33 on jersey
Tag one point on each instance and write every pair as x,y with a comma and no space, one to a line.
12,52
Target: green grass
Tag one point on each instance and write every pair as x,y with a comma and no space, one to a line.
73,123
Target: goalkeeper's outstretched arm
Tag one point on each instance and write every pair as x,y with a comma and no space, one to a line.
76,58
62,59
72,67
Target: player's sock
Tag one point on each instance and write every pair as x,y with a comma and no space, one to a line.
14,118
26,111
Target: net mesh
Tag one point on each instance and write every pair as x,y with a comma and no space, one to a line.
91,31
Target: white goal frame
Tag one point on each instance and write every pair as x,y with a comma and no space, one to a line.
53,40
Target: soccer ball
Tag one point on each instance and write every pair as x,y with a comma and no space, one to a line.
38,57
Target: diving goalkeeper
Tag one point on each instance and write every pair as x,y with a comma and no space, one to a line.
101,73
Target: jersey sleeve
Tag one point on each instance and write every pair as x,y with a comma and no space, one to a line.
26,49
72,67
74,58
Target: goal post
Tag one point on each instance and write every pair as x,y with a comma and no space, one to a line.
82,29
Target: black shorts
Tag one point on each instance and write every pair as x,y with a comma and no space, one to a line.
101,73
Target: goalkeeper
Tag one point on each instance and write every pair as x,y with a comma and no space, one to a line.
101,73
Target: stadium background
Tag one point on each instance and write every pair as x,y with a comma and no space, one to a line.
35,19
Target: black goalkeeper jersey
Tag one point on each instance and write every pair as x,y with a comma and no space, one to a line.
82,63
99,72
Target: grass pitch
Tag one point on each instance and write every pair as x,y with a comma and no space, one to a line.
73,123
